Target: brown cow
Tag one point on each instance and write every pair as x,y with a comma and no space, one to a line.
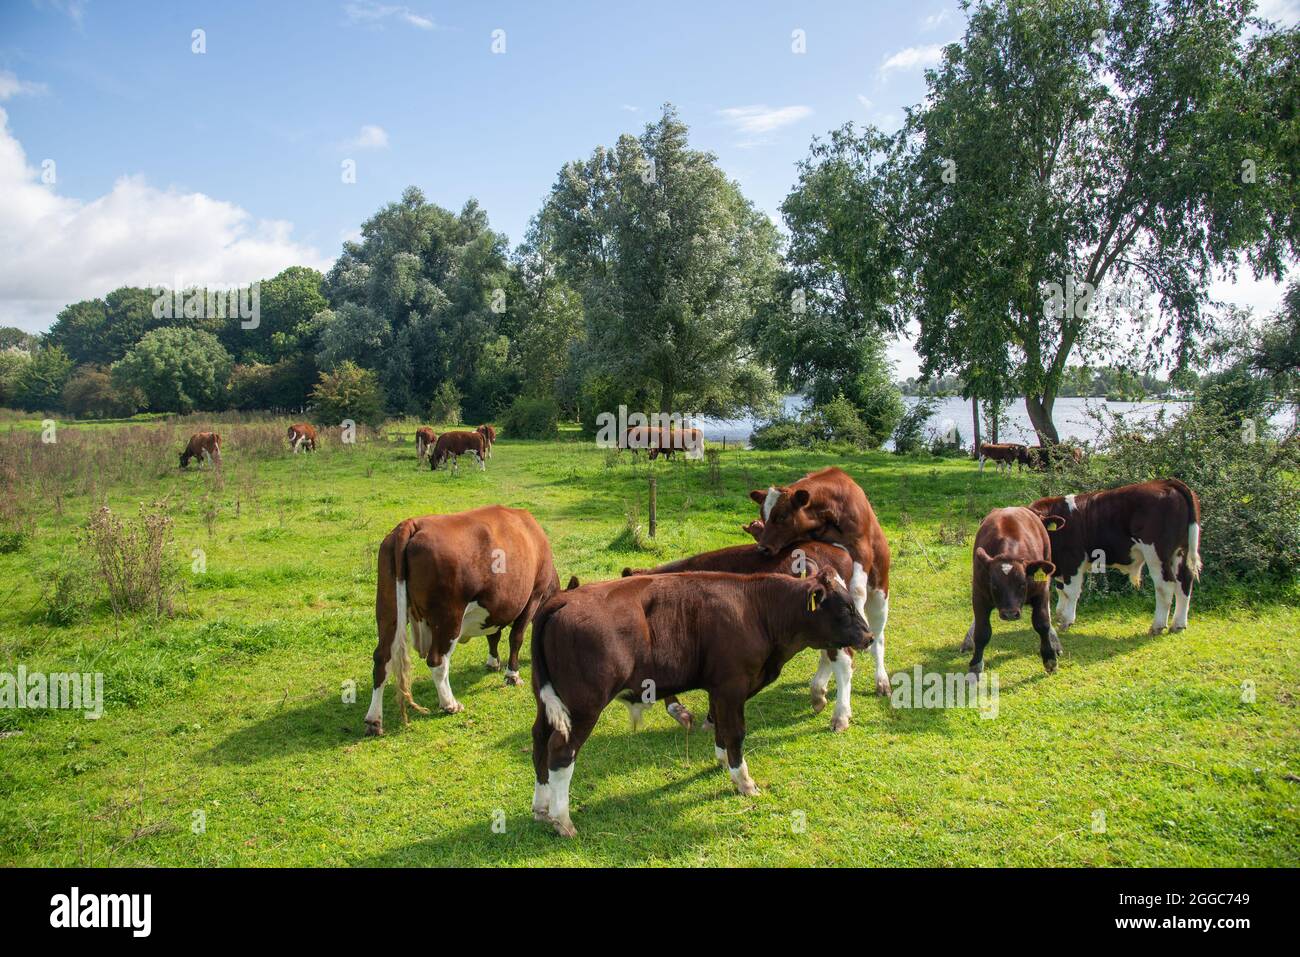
302,436
665,441
1004,454
1155,523
424,439
456,576
1043,456
489,434
830,507
204,446
452,445
727,634
801,560
1011,564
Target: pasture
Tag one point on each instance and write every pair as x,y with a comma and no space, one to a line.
1139,751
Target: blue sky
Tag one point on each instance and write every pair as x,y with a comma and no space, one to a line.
172,164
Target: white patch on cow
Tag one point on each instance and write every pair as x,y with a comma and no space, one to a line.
877,616
442,681
1165,589
557,715
741,779
1069,503
1068,600
493,662
720,754
635,712
512,677
541,801
475,621
821,680
843,713
1194,549
559,784
1006,568
422,635
772,496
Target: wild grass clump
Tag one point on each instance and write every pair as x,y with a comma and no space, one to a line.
132,561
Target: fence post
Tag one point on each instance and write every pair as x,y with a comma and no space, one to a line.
654,518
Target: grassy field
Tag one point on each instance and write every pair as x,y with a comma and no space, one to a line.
1140,750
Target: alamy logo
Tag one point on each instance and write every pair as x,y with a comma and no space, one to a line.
214,302
934,689
58,690
658,430
103,910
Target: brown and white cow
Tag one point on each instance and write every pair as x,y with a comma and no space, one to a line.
829,506
801,559
1011,565
727,634
489,434
425,437
453,577
302,436
204,446
1003,454
452,445
664,441
1156,523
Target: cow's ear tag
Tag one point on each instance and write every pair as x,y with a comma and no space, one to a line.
812,601
1052,526
1040,575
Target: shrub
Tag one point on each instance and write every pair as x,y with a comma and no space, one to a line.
131,559
90,394
445,407
909,434
531,418
71,593
836,420
783,432
40,384
348,392
176,370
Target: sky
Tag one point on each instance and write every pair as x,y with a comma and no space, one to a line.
202,143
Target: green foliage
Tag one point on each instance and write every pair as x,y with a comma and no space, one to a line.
285,385
176,370
910,432
445,405
91,394
529,418
40,383
72,590
1235,393
13,363
348,392
834,421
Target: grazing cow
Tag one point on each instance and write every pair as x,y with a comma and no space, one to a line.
1004,454
452,445
1043,456
204,446
1155,523
663,441
302,436
489,434
1012,564
456,576
424,439
800,560
727,634
830,507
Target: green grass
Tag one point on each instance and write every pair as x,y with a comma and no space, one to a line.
234,706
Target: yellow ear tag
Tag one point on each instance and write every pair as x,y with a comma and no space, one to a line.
1040,576
812,601
1052,526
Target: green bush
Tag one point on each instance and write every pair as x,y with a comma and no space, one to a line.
445,407
71,592
783,432
531,418
90,394
909,434
348,392
176,370
835,421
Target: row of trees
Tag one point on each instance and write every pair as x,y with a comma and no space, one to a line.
1077,172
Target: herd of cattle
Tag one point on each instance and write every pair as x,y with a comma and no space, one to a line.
727,621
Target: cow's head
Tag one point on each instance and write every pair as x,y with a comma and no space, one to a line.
835,620
1009,579
185,458
790,516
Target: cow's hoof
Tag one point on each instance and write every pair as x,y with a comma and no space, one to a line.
972,678
818,702
840,722
1049,665
513,679
1173,628
454,708
564,828
682,716
883,687
375,729
493,664
747,789
541,814
1155,630
967,644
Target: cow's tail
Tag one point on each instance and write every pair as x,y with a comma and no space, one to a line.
557,714
1193,527
399,654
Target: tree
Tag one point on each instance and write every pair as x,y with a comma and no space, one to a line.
13,364
90,394
672,263
288,305
176,370
1277,354
40,385
348,392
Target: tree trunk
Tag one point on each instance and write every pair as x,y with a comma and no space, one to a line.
995,413
1040,414
975,418
666,398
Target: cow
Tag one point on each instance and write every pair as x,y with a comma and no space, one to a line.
453,577
727,634
828,506
1156,523
664,441
800,560
489,434
754,529
1004,454
204,446
452,445
424,439
302,436
1045,456
1011,564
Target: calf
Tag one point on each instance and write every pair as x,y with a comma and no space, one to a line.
1011,565
828,506
1004,454
489,434
727,634
452,445
456,576
424,439
800,560
302,436
204,446
1155,523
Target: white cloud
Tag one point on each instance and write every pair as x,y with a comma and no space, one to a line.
866,102
370,138
1284,12
55,249
757,122
376,14
913,58
935,20
11,86
628,107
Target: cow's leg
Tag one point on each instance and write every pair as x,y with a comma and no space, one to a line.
493,662
821,680
482,462
877,616
968,644
446,632
678,711
1165,587
729,739
562,756
1067,601
1182,597
981,465
1049,646
517,628
842,663
375,716
542,780
981,632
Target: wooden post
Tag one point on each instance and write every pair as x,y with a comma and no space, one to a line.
654,517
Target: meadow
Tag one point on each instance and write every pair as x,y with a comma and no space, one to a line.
228,736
